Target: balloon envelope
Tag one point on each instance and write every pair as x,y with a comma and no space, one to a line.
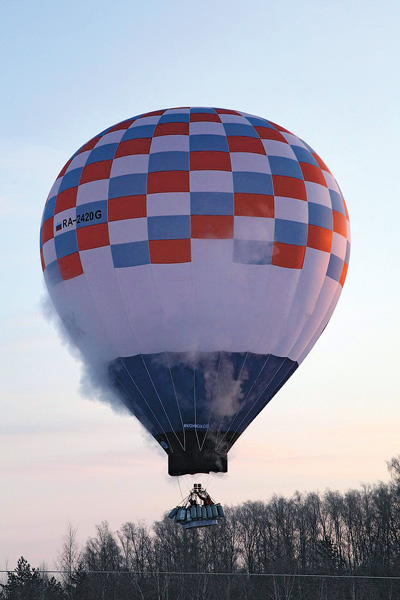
195,255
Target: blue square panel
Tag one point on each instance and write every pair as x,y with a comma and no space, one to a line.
105,152
246,182
175,118
128,185
335,267
240,129
132,254
175,227
290,232
66,244
337,202
168,161
257,122
304,155
347,257
91,213
200,109
140,131
49,208
211,203
52,273
71,179
285,166
252,252
308,146
320,215
208,142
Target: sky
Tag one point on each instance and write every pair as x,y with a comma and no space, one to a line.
329,72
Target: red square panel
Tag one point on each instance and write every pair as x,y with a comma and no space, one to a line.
95,171
224,111
123,125
198,117
47,230
319,238
168,181
65,167
279,128
154,113
42,259
320,162
288,256
345,209
266,133
343,275
138,146
65,200
339,223
126,207
70,266
312,173
210,161
93,236
90,145
170,251
254,205
238,143
212,226
289,187
171,129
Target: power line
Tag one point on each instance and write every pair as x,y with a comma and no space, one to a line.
192,573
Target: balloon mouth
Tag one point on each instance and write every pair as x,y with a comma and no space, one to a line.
197,457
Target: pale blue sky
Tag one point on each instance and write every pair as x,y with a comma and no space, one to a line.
328,71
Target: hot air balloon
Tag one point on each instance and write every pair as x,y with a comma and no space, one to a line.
195,255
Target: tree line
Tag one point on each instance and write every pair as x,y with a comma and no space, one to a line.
331,546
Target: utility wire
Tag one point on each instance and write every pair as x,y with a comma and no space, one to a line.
191,573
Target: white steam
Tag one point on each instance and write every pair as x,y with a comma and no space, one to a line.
223,393
94,382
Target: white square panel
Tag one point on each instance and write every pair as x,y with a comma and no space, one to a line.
206,128
49,252
78,161
291,209
210,253
152,120
92,191
174,203
331,182
67,220
249,161
176,111
111,138
244,114
128,230
254,228
55,188
165,143
318,193
215,181
276,148
234,119
339,245
125,165
292,139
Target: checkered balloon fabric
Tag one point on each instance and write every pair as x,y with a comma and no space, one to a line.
149,186
196,231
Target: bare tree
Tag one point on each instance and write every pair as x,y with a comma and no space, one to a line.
68,559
